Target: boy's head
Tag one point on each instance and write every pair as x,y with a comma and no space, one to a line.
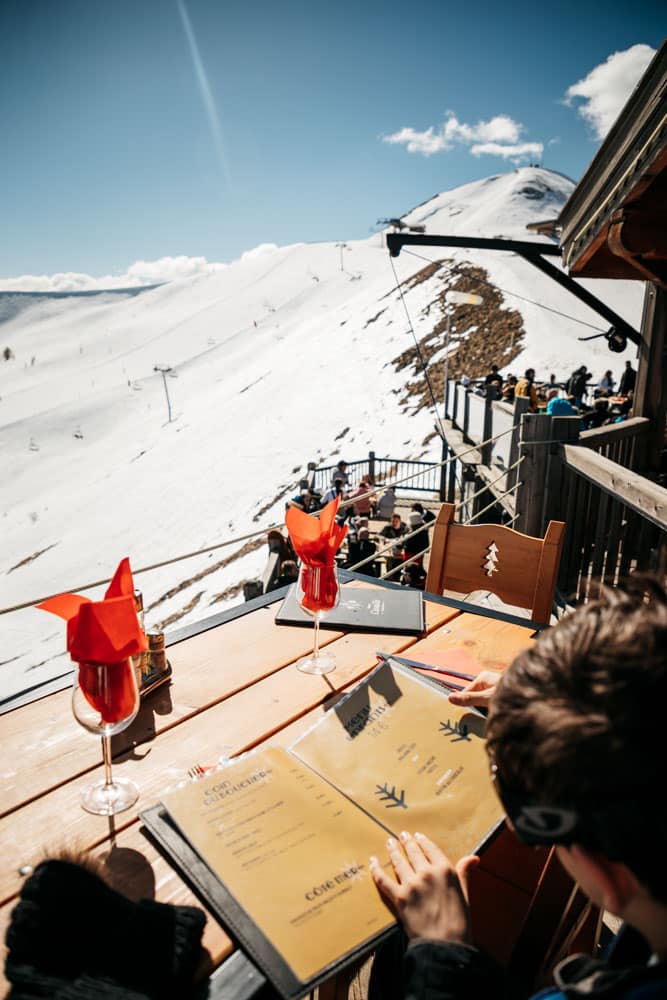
576,732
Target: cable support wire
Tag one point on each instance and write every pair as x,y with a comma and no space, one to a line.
244,538
487,486
493,503
423,363
516,295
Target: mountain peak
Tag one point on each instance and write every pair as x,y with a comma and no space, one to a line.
500,205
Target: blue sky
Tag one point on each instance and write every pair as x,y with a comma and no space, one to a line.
140,129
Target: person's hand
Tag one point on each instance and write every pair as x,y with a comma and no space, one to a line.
478,692
430,895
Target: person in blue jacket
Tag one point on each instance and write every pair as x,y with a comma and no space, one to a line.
557,406
575,737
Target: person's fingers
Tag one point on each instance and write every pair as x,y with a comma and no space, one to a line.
413,851
478,691
385,885
398,860
431,851
473,698
463,869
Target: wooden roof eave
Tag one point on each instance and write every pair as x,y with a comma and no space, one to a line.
628,162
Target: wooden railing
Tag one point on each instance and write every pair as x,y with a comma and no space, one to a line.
616,522
621,443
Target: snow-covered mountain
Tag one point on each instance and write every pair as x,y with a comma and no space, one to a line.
285,356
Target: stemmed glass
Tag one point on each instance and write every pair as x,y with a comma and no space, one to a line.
318,593
105,700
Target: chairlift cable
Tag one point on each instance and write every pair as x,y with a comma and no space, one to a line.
516,295
419,353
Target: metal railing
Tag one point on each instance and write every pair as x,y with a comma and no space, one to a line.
424,477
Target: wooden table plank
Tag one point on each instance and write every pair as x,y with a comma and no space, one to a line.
493,643
199,723
43,745
271,704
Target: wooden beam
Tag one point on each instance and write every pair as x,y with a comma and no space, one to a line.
650,394
634,491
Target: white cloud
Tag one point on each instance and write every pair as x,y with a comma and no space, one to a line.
497,137
607,87
517,152
142,272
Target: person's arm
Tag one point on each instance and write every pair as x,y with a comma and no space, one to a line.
429,895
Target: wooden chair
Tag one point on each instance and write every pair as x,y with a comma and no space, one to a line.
519,569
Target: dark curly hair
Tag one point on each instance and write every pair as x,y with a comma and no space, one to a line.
578,721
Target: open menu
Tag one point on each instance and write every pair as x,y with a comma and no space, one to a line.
278,842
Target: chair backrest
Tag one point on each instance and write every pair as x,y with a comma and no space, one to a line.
519,569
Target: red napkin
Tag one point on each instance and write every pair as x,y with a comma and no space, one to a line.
103,632
316,542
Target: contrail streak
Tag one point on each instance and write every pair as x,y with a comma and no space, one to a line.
205,90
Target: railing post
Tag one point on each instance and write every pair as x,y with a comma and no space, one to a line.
311,474
533,451
491,394
455,398
442,494
466,414
371,466
564,430
521,404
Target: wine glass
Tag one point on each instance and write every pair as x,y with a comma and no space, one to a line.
105,700
317,592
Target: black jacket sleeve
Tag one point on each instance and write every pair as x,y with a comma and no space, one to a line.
438,970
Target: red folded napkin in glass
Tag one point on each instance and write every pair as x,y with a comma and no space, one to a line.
101,635
104,631
316,542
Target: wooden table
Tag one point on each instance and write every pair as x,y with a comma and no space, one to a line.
234,687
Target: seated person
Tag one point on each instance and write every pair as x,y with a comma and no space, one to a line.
413,575
509,388
526,387
364,499
304,501
419,543
359,549
597,416
577,751
606,385
427,515
386,503
340,472
289,572
396,529
559,407
335,491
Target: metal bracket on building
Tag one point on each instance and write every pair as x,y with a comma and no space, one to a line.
534,253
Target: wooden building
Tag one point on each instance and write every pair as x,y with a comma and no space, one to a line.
615,226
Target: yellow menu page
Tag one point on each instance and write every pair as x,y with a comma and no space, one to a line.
402,752
292,851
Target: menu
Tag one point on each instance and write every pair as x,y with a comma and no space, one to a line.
279,841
